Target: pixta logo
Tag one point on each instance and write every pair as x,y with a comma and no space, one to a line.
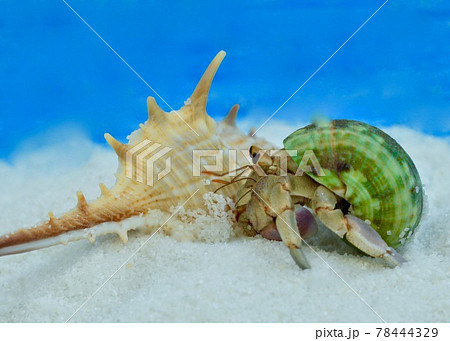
308,162
140,161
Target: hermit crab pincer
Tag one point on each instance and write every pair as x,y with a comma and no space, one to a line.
361,185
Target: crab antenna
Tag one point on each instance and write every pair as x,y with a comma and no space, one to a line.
232,182
243,196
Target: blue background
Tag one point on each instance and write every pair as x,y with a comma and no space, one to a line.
54,71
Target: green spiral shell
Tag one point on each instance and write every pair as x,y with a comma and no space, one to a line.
369,169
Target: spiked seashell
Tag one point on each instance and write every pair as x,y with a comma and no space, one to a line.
163,148
369,169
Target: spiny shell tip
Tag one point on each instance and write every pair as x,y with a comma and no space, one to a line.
82,203
104,190
118,147
200,94
154,111
230,119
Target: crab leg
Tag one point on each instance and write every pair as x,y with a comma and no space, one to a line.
286,224
356,231
271,201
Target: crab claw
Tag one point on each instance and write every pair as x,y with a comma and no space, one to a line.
365,238
306,223
270,232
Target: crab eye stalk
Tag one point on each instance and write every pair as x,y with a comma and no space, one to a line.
254,154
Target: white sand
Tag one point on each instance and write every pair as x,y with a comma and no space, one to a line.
233,280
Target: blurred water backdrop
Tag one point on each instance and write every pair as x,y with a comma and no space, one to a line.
55,72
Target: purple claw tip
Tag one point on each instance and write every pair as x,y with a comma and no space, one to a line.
306,222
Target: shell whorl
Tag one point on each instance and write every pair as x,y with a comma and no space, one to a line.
370,170
177,134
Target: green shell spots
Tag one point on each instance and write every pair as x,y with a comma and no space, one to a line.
370,170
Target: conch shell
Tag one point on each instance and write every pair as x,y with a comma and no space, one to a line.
175,135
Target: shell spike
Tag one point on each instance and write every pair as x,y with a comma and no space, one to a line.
51,219
118,147
82,204
104,190
200,95
154,111
230,119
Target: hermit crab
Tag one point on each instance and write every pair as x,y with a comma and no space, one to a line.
362,186
369,193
